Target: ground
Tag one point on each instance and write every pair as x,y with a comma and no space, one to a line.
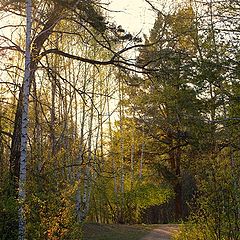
128,232
161,232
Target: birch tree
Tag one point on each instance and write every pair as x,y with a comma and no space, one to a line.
24,135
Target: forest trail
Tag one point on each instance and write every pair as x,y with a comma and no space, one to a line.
162,232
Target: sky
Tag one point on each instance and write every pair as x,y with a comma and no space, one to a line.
133,15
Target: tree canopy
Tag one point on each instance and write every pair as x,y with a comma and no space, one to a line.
98,124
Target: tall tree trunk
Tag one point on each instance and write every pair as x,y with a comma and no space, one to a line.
88,176
141,160
16,142
80,157
178,187
132,155
175,161
111,155
36,48
122,168
23,155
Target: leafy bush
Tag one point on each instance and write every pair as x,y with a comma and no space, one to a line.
8,213
217,206
147,195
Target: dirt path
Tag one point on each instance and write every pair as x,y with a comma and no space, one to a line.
162,232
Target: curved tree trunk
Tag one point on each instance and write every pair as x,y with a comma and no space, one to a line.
35,51
16,142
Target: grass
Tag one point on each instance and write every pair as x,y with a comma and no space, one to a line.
94,231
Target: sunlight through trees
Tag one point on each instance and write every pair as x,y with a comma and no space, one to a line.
102,125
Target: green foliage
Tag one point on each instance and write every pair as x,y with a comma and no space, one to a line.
8,213
149,194
51,216
192,231
106,204
215,215
183,117
145,195
8,219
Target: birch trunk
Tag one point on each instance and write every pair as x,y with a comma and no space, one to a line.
53,114
79,159
23,156
122,177
132,153
141,160
132,163
111,155
87,176
37,46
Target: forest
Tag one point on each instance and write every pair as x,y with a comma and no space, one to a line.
102,125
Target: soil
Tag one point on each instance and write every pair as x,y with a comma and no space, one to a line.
162,232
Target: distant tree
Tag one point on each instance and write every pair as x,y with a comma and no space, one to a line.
167,103
69,20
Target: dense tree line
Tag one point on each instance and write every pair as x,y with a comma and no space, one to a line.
114,139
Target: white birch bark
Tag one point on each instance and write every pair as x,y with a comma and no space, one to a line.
141,161
110,153
122,177
79,160
100,126
53,113
142,154
23,158
132,158
132,152
87,177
